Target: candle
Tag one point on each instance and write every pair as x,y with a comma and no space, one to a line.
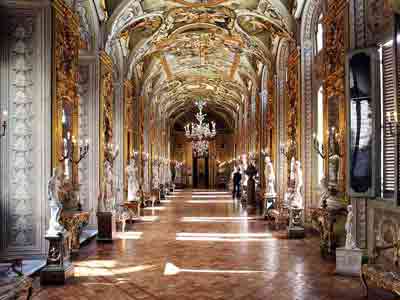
5,116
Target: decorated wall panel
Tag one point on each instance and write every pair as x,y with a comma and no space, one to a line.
106,111
293,106
25,150
335,45
129,125
65,104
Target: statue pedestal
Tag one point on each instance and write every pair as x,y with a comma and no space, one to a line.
162,193
348,261
296,223
106,225
58,267
251,192
269,203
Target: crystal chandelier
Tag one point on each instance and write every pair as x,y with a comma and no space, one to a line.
202,130
200,148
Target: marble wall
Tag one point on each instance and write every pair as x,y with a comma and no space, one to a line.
25,91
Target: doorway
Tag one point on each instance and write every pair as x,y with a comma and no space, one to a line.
201,172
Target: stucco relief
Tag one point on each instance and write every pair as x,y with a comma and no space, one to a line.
21,232
83,168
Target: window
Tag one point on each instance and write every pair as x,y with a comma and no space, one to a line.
319,36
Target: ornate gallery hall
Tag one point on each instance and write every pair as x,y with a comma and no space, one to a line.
199,149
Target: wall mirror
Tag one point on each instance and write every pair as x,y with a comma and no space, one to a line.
363,129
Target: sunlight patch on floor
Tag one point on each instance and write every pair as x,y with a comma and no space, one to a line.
224,237
210,201
129,235
171,269
220,219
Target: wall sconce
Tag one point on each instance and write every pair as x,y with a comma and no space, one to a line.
392,122
3,120
334,146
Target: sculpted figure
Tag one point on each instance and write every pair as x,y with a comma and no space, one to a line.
333,165
107,189
350,243
133,186
156,177
298,201
269,177
54,186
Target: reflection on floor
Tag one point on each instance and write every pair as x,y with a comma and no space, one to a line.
205,250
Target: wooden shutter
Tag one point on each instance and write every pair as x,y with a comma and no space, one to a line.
389,145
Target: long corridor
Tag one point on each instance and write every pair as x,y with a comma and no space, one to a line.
203,245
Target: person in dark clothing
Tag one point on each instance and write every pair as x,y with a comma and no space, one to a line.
237,178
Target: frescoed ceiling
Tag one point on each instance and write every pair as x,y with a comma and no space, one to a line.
182,50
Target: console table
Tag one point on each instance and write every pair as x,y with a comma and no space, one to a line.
74,221
324,221
14,287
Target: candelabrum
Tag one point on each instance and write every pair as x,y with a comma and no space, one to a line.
391,122
288,150
332,148
3,121
69,149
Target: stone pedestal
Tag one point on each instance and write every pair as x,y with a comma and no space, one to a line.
269,203
348,261
296,223
106,226
58,267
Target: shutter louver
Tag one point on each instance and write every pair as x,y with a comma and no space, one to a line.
389,145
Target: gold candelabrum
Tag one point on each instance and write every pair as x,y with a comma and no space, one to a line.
3,121
288,150
332,147
72,144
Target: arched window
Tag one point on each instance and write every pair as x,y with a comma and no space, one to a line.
319,36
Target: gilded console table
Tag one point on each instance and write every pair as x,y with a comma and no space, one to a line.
74,221
324,221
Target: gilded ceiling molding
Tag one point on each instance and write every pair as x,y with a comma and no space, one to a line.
122,18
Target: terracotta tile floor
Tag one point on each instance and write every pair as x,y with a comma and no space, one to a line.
204,245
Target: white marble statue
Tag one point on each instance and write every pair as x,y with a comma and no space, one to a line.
292,175
298,200
324,192
107,198
269,178
133,185
54,187
178,173
350,243
156,176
